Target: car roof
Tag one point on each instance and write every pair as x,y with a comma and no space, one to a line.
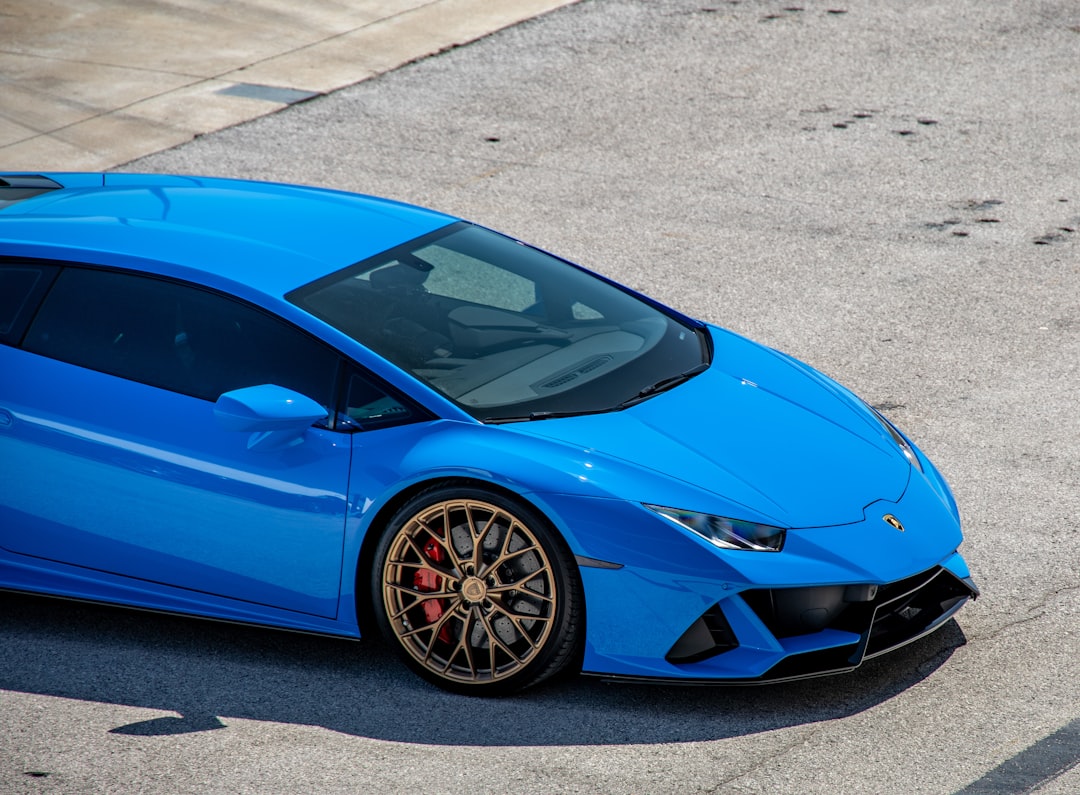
267,236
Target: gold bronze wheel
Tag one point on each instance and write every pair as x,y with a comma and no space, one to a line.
471,586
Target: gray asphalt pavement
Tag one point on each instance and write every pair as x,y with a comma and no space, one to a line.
886,189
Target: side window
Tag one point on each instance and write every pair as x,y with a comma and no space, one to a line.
21,287
369,406
175,337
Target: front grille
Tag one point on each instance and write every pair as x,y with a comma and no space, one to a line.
797,611
884,617
911,613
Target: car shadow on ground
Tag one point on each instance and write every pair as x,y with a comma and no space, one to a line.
210,672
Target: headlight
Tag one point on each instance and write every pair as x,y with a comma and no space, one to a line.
726,533
898,437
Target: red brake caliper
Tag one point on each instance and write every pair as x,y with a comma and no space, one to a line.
427,581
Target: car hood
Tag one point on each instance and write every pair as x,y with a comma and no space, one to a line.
757,429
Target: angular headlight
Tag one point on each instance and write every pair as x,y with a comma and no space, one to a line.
725,533
898,437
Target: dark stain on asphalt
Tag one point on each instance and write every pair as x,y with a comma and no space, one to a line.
942,225
888,405
972,210
983,205
1059,234
862,115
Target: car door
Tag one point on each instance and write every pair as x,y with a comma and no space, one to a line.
112,459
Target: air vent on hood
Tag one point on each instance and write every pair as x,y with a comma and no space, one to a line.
16,187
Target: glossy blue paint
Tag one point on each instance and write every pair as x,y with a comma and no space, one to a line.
266,407
274,416
141,482
244,510
271,237
740,431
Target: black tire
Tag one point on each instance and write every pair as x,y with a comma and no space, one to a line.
477,592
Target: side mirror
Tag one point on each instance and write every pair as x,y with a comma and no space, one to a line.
275,417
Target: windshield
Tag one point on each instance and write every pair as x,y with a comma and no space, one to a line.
506,331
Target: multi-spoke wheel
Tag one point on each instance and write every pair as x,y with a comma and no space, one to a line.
477,591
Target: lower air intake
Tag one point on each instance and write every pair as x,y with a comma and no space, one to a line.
708,636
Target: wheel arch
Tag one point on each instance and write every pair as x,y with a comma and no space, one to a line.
381,521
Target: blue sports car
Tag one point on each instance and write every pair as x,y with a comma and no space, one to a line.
332,413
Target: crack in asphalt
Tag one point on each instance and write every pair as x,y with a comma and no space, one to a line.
1034,613
770,756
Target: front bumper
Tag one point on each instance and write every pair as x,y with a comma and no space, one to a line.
781,634
679,610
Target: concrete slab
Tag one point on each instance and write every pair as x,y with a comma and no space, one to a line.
44,94
95,85
391,41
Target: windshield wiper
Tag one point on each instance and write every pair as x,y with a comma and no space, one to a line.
542,415
663,385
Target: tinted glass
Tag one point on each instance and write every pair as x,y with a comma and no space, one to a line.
176,337
369,406
503,329
21,286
